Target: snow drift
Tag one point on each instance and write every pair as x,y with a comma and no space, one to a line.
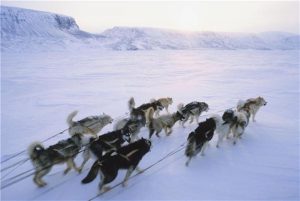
27,29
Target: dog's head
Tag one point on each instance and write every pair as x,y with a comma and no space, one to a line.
204,106
159,105
261,101
107,119
147,142
126,135
77,139
180,116
228,116
170,100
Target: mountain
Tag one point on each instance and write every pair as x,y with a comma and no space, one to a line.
28,29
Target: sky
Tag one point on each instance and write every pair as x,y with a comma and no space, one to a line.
222,16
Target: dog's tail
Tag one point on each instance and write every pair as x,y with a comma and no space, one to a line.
149,115
131,104
70,118
191,145
35,149
240,104
92,173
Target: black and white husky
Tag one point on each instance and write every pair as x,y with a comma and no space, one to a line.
224,124
65,151
192,110
134,124
241,121
127,157
89,125
198,139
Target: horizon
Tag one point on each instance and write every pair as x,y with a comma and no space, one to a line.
189,17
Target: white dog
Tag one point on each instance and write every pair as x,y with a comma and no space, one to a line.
89,125
223,125
252,104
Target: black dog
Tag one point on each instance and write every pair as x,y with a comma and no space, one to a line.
127,157
110,141
198,139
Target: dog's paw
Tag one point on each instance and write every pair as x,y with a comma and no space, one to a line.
79,170
105,189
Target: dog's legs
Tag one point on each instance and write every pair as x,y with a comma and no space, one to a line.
183,122
166,130
128,173
170,130
188,161
139,170
253,116
203,148
151,131
70,165
157,113
101,186
220,138
192,119
38,177
167,109
197,118
86,157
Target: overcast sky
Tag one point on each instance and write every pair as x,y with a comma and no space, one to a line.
224,16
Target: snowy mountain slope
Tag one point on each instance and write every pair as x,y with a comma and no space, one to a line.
22,28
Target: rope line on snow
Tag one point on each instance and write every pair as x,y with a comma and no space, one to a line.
53,136
26,176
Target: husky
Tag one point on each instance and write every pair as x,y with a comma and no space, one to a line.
241,121
89,125
165,102
127,157
134,124
224,124
110,141
64,151
139,112
198,139
252,104
165,122
193,109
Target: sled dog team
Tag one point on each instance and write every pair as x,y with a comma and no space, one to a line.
113,154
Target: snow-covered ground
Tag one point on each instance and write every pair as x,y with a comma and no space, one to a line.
39,90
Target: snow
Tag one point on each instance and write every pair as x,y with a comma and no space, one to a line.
40,90
41,86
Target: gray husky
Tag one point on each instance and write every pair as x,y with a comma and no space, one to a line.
63,152
165,122
89,125
193,109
